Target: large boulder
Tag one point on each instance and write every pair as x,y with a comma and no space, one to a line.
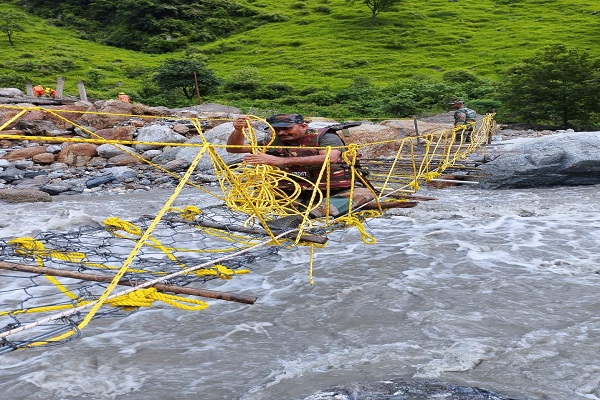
186,154
561,159
159,134
23,196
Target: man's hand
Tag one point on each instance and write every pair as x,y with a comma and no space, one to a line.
236,138
241,123
262,158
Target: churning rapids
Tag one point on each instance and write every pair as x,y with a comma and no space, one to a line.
490,289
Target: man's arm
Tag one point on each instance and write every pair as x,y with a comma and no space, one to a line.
309,161
236,137
328,139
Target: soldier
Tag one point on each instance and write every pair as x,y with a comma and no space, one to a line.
464,118
300,156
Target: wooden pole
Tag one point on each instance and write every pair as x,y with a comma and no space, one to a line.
416,125
213,294
82,94
197,88
243,229
60,84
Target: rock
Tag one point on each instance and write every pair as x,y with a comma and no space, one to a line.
23,196
44,158
399,389
109,150
77,154
158,134
54,189
100,180
122,173
33,182
11,174
117,133
11,92
559,159
107,114
124,159
217,135
25,153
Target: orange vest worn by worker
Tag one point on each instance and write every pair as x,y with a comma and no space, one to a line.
123,97
38,91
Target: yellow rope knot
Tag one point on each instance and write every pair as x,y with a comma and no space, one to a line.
115,223
221,271
351,220
28,246
349,156
147,296
189,213
428,176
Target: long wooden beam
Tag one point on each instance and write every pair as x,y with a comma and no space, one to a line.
213,294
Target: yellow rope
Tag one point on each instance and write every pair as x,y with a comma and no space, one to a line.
252,190
147,296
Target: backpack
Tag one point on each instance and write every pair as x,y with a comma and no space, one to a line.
471,114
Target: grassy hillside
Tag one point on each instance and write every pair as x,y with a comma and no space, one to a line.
420,38
321,44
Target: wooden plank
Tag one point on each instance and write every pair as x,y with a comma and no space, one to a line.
213,294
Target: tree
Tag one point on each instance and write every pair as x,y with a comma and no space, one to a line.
9,24
559,86
179,74
377,6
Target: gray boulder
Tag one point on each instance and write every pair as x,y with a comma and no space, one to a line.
23,196
565,159
405,389
159,134
217,136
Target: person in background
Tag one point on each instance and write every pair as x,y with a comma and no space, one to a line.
463,116
38,91
123,97
292,130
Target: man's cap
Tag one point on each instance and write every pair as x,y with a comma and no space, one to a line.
285,120
456,102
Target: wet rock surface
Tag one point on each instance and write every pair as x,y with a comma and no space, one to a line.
410,389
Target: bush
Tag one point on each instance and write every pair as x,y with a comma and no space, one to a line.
246,80
321,98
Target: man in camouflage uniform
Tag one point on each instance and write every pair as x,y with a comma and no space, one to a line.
463,116
298,156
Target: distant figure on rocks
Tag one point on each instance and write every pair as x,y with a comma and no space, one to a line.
123,97
50,92
463,117
38,91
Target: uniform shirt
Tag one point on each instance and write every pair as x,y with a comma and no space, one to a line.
464,115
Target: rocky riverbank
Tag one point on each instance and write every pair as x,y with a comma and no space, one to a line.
52,157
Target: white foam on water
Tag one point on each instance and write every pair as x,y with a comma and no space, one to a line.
494,289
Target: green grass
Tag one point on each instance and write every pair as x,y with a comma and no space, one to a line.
313,48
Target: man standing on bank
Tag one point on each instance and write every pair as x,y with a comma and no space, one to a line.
301,157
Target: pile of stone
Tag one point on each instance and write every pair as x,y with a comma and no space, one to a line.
65,164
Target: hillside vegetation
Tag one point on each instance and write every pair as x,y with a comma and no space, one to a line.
301,54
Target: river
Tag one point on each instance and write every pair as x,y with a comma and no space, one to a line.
491,289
